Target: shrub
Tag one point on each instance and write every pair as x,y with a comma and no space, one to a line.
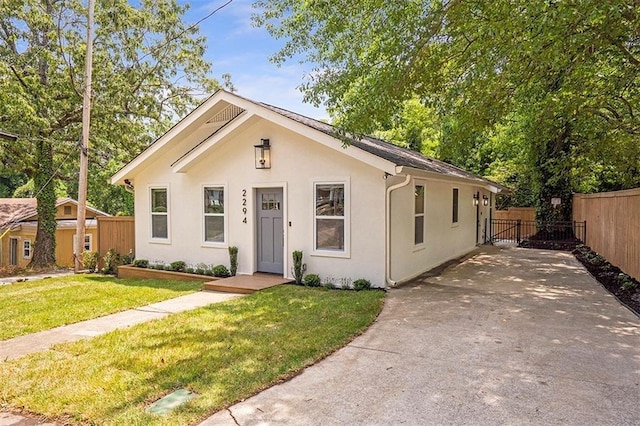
208,272
189,270
178,266
111,262
220,271
158,266
199,271
312,280
233,260
127,259
627,283
329,285
90,260
298,267
361,284
141,263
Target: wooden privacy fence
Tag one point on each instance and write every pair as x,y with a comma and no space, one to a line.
116,232
504,224
614,226
516,213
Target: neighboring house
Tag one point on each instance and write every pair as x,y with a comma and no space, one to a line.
19,217
235,172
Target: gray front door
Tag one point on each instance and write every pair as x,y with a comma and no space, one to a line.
13,251
270,230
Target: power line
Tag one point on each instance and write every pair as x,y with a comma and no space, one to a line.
189,28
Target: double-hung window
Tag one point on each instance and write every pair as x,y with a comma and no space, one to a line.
214,214
330,217
454,216
159,213
88,242
26,249
418,215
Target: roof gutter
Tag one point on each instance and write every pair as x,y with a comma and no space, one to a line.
388,280
480,182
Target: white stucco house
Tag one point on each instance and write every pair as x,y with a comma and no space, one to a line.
235,172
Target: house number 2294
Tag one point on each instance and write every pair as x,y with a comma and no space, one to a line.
244,205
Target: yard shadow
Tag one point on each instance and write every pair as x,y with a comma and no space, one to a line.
223,352
151,283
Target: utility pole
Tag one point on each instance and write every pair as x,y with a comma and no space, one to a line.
84,147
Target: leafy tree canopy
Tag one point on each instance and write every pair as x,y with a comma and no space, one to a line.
148,69
557,81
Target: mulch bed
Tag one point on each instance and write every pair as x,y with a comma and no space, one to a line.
621,285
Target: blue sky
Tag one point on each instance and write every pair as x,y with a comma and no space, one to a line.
238,48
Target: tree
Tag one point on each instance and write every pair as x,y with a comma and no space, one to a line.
9,182
416,126
560,69
148,70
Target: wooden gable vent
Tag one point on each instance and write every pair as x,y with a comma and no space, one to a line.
226,115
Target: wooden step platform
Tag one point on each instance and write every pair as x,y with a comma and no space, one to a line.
246,284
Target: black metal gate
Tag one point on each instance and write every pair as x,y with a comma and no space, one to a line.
515,231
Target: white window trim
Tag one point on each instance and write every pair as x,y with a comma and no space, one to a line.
225,215
86,236
420,246
30,249
168,214
346,253
457,223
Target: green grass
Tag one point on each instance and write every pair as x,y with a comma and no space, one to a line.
224,352
33,306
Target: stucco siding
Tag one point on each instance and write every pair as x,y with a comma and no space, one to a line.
443,239
297,162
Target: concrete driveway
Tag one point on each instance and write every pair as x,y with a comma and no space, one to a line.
509,336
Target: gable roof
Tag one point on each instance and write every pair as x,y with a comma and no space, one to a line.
15,210
400,156
376,152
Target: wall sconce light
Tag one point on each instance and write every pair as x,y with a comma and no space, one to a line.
476,199
485,200
263,154
128,186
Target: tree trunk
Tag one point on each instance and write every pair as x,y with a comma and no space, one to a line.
554,178
44,251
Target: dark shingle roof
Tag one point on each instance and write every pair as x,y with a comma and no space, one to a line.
16,209
396,154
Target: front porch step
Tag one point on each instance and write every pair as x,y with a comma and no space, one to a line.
215,286
245,284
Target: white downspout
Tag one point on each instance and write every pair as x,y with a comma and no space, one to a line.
388,280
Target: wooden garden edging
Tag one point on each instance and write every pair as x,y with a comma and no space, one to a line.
147,273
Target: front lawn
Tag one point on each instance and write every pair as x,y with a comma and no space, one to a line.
32,306
224,352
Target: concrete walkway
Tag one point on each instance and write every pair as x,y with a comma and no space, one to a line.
23,345
509,336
